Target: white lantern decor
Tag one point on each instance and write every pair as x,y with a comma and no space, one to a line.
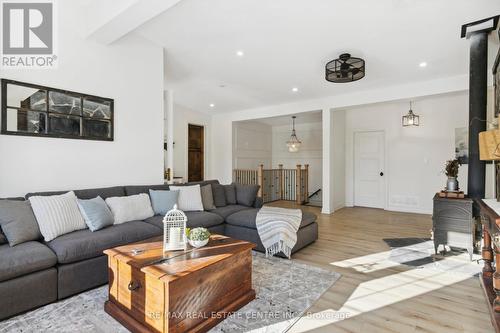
174,230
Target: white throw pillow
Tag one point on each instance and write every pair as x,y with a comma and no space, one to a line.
131,208
189,197
57,214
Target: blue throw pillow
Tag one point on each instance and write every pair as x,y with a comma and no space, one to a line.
96,213
163,201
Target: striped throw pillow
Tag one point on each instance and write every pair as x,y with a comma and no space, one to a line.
57,214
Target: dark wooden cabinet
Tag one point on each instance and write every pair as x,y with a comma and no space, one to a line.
453,223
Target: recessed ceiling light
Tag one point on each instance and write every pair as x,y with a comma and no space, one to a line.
295,89
212,105
423,64
240,53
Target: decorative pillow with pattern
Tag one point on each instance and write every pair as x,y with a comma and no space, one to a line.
57,214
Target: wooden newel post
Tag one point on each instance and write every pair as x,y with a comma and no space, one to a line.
280,181
298,195
306,183
496,279
487,253
260,179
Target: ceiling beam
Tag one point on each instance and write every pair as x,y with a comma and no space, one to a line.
120,21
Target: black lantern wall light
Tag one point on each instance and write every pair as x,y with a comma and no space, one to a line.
411,119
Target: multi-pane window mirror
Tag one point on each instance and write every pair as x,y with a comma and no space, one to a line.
33,110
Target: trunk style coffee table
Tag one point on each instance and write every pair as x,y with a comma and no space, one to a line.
178,291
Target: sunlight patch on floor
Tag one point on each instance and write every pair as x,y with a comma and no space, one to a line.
393,288
369,263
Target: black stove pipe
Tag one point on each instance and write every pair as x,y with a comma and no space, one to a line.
478,81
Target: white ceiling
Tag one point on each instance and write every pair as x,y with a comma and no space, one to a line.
286,44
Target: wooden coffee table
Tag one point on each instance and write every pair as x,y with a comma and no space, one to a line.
177,291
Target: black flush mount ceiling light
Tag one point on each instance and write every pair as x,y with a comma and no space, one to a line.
345,69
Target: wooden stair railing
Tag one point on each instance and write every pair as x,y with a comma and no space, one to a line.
277,184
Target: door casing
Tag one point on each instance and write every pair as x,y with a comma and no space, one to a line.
357,201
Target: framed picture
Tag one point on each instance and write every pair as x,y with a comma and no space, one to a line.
34,110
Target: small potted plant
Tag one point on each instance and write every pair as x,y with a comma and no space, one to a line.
197,237
451,171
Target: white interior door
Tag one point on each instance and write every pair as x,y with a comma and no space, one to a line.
369,174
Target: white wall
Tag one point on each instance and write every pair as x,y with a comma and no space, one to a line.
339,159
310,151
415,156
252,145
221,160
129,71
182,118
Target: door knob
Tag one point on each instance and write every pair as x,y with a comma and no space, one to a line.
381,173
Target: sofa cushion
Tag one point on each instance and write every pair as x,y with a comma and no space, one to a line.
207,197
195,219
84,244
24,258
246,218
96,213
219,194
230,191
163,201
189,198
57,214
138,189
203,219
103,192
226,211
203,182
246,194
130,208
18,222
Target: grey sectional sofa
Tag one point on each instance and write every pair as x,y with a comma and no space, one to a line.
37,273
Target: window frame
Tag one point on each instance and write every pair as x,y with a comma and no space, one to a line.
48,113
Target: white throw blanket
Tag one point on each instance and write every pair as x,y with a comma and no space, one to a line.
277,228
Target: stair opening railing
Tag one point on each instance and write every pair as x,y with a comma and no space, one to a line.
277,184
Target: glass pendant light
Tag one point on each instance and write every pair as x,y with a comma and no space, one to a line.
294,143
411,119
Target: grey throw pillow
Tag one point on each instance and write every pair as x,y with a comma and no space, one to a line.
230,194
96,213
18,222
219,195
163,201
246,194
207,197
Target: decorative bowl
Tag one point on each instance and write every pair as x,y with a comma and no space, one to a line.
197,243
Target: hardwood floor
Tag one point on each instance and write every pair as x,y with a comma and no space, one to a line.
375,294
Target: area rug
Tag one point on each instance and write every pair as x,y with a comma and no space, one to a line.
285,290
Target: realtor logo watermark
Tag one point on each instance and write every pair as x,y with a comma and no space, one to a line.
28,34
